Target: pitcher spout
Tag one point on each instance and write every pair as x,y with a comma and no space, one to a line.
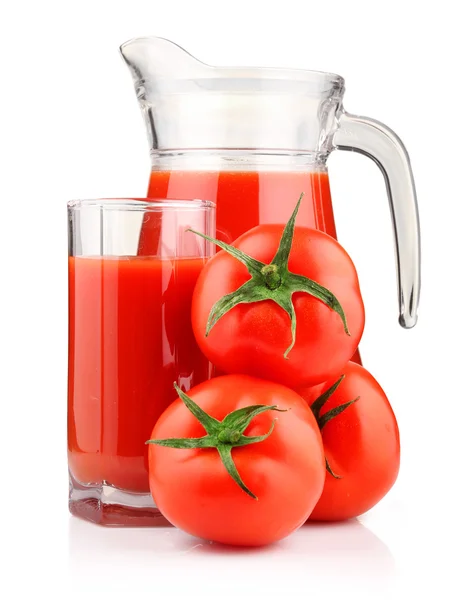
188,104
152,58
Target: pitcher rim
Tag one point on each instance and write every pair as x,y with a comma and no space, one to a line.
333,79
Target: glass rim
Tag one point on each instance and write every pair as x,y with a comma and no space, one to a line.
142,204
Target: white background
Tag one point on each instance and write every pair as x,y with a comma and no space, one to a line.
70,128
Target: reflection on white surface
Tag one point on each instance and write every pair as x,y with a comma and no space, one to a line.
168,560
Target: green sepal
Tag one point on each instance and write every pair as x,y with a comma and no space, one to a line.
253,265
240,418
272,281
334,412
298,283
210,424
224,450
285,302
251,291
323,398
246,440
329,470
322,420
185,443
222,435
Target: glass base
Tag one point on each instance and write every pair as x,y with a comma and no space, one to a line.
106,505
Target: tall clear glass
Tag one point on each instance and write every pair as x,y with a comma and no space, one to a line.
130,338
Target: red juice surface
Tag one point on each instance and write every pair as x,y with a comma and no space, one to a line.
245,199
130,338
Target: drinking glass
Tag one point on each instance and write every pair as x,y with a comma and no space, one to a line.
130,339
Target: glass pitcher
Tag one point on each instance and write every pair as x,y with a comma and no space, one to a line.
252,139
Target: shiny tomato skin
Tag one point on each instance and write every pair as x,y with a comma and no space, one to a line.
252,338
286,471
361,444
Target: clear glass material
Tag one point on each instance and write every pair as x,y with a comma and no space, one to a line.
252,139
130,338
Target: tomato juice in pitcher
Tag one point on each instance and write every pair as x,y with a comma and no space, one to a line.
252,140
249,198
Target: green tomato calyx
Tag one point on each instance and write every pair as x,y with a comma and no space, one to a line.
223,435
323,419
272,282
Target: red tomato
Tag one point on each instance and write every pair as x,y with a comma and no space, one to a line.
253,338
361,445
286,471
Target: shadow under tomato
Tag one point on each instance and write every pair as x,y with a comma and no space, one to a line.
348,547
348,543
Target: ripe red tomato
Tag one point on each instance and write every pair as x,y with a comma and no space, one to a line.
286,471
256,338
361,445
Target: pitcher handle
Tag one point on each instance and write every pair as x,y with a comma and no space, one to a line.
380,143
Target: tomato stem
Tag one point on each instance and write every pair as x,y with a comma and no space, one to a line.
272,282
222,435
271,276
228,436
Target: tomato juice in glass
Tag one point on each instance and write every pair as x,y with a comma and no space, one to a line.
130,339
